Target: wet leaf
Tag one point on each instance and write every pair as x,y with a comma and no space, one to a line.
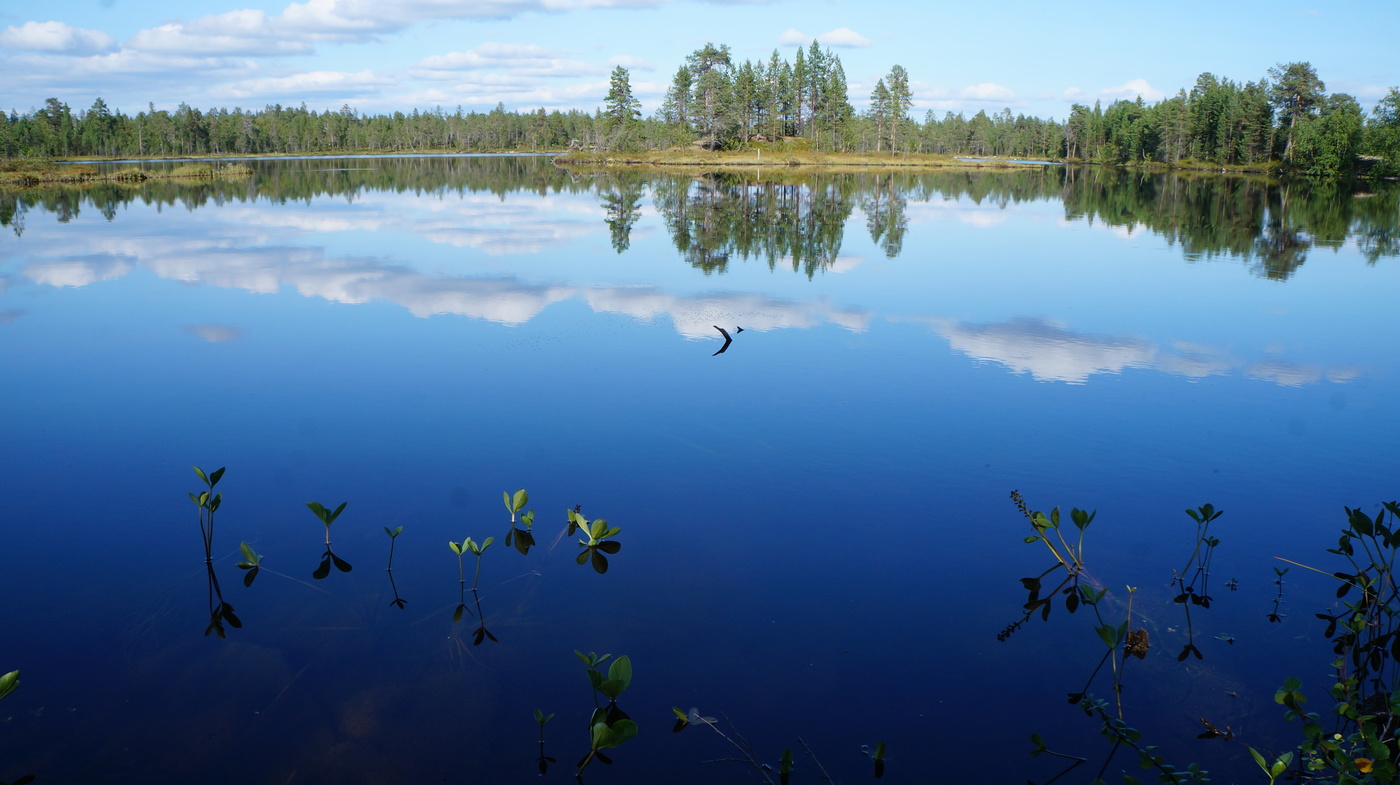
341,564
600,562
609,546
323,570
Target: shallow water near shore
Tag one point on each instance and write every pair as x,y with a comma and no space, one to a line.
816,535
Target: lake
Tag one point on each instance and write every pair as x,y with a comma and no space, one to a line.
803,400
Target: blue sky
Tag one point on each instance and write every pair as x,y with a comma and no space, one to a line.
387,55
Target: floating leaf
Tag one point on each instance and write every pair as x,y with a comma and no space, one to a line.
600,562
340,564
323,570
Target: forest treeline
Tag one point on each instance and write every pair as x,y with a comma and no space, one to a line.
798,220
1285,120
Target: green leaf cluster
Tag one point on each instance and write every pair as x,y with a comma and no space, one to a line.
598,543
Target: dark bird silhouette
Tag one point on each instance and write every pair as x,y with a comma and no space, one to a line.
738,330
727,340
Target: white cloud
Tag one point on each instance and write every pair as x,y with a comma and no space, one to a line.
841,36
981,95
1128,91
988,91
337,83
244,32
56,37
794,37
515,59
343,20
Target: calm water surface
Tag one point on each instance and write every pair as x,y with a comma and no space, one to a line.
817,539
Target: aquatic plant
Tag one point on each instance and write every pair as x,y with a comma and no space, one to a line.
542,761
470,546
252,562
219,610
1121,642
597,543
328,517
1197,590
1272,769
1068,557
1276,616
876,755
521,539
8,683
393,533
609,726
208,503
1361,740
685,719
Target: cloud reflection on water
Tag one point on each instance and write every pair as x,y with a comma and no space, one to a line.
504,300
1050,352
1045,349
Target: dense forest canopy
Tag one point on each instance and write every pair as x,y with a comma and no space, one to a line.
1286,120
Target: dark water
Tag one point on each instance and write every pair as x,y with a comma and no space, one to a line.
817,540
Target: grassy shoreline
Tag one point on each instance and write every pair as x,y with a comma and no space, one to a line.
757,158
760,157
19,174
29,174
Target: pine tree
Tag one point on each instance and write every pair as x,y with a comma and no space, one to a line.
622,106
901,99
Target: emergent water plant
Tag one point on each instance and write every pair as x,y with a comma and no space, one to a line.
208,503
521,539
477,549
597,543
252,563
609,726
1196,591
542,761
393,533
328,517
1360,742
1121,641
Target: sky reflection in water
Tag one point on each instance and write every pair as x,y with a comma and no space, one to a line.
815,518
